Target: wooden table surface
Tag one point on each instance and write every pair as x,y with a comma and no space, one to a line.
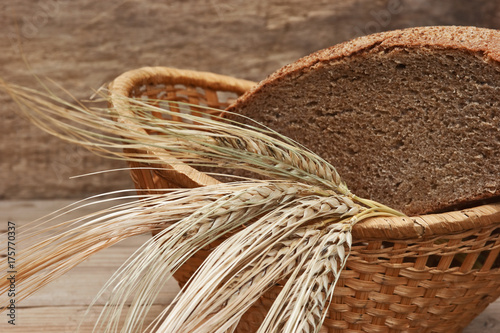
59,307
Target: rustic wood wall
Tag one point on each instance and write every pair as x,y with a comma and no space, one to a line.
84,44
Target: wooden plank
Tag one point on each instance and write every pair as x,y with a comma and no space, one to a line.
81,284
60,319
486,322
60,306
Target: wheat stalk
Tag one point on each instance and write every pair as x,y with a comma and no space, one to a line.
168,250
297,224
74,241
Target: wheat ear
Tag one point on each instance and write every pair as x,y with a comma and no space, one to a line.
161,256
71,242
302,303
194,140
262,253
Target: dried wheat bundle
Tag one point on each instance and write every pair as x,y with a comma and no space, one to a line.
294,227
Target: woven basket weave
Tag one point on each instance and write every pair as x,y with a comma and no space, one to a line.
430,273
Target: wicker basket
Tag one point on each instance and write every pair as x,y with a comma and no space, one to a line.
430,273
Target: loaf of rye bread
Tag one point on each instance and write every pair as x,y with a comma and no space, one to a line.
410,118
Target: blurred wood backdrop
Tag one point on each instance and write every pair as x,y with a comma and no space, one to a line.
84,44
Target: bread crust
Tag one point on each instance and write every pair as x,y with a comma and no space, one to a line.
479,42
472,39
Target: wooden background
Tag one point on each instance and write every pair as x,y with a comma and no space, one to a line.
85,44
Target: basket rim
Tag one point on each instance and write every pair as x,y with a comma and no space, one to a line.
381,228
120,87
122,84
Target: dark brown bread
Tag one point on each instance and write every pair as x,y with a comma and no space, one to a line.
410,118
